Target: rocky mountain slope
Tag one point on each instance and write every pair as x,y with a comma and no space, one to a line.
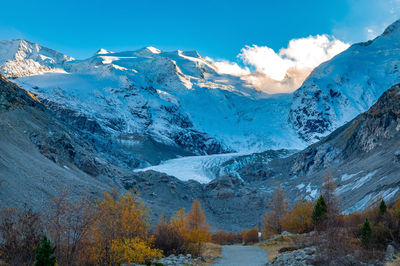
40,156
363,157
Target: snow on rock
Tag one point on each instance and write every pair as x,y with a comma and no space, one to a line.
176,97
371,198
22,58
348,84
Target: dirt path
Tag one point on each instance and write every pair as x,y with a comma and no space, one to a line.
237,255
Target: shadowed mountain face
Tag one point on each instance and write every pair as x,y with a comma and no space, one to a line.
40,156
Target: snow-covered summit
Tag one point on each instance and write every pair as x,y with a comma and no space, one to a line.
23,58
102,51
176,97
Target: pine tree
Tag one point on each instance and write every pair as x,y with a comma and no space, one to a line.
366,233
382,207
320,212
45,254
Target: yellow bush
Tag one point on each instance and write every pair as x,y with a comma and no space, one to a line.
133,250
118,218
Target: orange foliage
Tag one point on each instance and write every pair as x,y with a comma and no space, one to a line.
298,220
250,236
121,221
197,229
227,238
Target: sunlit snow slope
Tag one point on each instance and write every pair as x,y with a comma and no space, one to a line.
167,95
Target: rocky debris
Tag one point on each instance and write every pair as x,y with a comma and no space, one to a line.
300,257
228,203
390,251
179,260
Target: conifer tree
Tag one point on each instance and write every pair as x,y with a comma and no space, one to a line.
382,207
45,254
320,212
366,233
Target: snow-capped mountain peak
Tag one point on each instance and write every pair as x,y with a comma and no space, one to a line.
23,58
175,97
102,51
348,84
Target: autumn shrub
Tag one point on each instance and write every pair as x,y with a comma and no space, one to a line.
299,220
226,238
191,229
250,236
68,225
168,238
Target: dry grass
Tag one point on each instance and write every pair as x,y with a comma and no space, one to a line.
273,246
210,252
394,262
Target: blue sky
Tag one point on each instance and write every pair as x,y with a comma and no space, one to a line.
219,29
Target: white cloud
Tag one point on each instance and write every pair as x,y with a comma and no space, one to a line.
283,71
371,34
231,68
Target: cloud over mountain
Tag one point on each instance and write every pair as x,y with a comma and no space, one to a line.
285,70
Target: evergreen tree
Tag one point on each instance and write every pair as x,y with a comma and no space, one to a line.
45,254
382,207
320,212
366,233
